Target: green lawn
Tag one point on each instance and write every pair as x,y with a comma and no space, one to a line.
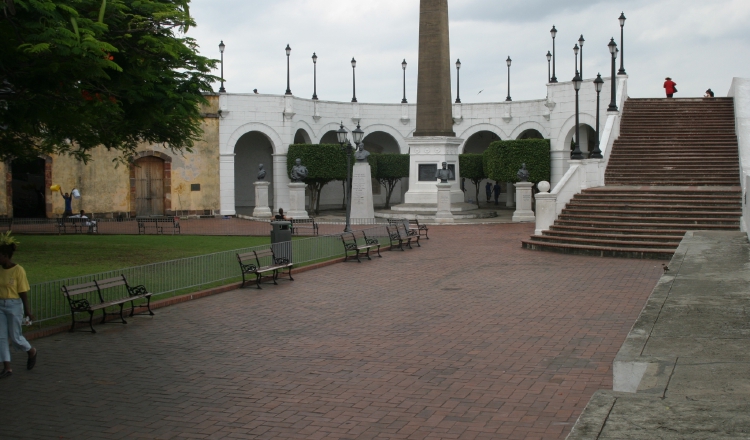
47,258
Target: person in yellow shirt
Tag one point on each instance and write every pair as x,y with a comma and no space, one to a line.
14,305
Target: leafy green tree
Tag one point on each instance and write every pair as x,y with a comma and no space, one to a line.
77,74
391,168
472,168
325,163
503,159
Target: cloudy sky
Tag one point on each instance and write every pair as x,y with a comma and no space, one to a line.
700,44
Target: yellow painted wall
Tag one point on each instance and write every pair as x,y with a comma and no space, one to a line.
105,186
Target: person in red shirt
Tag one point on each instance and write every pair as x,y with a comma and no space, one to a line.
669,86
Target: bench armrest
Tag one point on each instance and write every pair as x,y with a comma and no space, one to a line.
350,246
248,267
371,241
79,304
137,290
281,260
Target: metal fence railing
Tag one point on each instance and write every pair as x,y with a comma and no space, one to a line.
188,274
187,226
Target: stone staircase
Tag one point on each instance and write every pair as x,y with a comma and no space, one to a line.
674,168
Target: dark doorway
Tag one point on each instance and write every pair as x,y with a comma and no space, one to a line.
28,189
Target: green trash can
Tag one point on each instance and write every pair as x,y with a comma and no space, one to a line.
281,239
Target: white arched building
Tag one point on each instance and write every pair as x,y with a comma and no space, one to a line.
258,128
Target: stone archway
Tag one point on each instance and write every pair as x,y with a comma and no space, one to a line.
151,184
301,137
531,133
588,139
252,148
329,138
479,141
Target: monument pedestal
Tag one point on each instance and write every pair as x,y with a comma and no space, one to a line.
297,201
444,214
426,154
262,210
523,203
362,204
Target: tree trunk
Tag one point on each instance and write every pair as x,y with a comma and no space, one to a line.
476,188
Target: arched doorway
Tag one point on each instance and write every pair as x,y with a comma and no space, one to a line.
150,185
330,138
530,134
477,144
588,139
479,141
28,188
251,150
301,137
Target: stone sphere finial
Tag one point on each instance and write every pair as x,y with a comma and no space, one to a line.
543,186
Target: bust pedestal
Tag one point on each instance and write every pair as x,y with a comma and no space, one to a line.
444,214
262,210
523,203
297,200
362,204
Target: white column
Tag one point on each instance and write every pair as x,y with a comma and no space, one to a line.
546,208
297,200
280,182
523,201
557,166
444,214
510,193
261,200
226,184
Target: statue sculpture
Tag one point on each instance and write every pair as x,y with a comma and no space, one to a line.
261,172
299,171
523,174
360,154
444,174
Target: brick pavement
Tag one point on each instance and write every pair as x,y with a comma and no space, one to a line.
469,337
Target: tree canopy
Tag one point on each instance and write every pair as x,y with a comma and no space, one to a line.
76,74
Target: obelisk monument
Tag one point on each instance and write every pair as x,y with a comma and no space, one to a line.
434,140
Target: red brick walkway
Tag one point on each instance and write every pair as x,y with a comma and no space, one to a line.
468,337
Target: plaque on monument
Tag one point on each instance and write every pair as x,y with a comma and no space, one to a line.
427,172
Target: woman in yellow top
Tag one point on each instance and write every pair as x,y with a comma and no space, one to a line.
14,305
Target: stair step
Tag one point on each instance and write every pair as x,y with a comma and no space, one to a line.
600,251
615,243
611,236
626,213
620,223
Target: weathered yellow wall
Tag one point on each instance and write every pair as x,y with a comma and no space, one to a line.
105,186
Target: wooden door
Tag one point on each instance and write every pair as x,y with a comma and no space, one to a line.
149,186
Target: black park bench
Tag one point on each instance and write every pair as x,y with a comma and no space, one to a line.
250,264
89,297
397,239
158,224
358,244
303,224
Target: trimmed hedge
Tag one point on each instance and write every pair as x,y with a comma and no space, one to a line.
389,170
472,168
325,163
503,159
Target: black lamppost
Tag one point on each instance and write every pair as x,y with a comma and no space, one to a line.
622,45
549,58
599,85
403,66
354,80
357,136
288,52
458,81
580,43
613,50
576,153
221,49
508,61
575,51
315,76
553,32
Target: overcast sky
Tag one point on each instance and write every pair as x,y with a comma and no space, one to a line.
700,44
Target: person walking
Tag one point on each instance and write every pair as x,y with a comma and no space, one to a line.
488,191
14,306
496,189
670,87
